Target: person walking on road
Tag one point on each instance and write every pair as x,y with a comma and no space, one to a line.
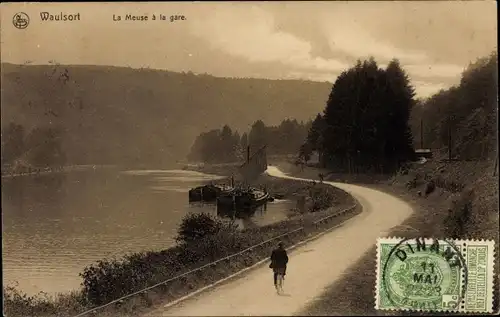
279,260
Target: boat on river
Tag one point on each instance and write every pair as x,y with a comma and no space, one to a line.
209,192
242,202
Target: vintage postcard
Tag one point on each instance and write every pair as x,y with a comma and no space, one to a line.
249,158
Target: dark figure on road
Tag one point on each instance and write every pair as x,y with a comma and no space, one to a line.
321,178
279,260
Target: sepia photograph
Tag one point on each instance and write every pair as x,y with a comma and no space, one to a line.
256,158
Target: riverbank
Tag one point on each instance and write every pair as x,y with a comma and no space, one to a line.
48,170
138,271
460,188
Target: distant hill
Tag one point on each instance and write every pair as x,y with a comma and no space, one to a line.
118,115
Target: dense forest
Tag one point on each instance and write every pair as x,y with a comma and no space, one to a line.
227,145
372,121
462,118
140,117
365,125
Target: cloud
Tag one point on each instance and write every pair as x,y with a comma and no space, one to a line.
442,71
254,36
426,89
354,40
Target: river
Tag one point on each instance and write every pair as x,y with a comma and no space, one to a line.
56,224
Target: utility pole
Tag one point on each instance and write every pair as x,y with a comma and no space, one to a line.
496,166
449,138
421,133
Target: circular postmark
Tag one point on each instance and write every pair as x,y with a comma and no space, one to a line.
423,274
21,20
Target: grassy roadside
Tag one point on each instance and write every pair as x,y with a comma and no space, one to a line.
464,204
138,271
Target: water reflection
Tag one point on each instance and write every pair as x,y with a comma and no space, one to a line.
56,224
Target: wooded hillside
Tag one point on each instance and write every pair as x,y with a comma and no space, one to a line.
113,115
465,114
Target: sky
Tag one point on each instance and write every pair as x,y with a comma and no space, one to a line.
434,40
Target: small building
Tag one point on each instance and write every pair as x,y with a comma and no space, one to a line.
425,153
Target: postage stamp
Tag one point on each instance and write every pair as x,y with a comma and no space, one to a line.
434,275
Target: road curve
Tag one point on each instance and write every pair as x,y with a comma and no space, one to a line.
312,267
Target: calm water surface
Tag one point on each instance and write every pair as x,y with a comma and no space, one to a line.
55,225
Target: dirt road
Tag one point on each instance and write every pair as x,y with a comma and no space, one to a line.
312,267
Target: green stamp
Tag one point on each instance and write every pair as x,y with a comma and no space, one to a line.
434,275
